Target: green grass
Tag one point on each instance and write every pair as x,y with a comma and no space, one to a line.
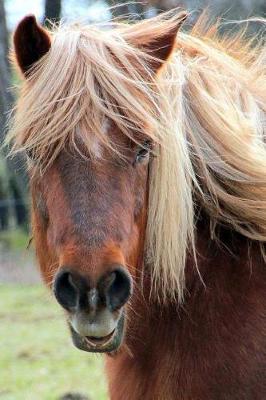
37,358
15,239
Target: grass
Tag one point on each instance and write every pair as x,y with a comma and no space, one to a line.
37,358
14,239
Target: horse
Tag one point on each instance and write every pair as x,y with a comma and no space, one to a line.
146,154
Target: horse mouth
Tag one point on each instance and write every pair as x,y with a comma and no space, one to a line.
99,341
106,344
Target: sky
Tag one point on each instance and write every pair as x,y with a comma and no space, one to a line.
71,9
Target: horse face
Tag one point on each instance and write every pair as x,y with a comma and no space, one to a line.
89,214
89,217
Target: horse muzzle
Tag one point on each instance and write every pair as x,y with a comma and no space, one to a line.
95,311
100,344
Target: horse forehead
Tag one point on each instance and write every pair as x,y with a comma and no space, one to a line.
98,171
96,146
77,207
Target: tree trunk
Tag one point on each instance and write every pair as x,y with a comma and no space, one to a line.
52,12
15,171
126,8
3,27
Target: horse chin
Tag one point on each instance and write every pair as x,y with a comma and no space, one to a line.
106,345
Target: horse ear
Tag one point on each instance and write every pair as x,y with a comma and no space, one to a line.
156,37
31,42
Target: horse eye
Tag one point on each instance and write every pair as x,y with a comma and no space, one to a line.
143,151
30,155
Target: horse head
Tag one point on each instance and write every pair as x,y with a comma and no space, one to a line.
89,206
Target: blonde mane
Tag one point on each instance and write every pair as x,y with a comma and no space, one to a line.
205,111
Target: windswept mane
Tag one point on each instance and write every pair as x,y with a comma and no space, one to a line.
205,111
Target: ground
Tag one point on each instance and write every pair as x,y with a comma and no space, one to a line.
37,358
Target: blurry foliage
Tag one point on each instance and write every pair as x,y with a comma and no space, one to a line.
227,9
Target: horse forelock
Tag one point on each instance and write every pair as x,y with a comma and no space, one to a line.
206,112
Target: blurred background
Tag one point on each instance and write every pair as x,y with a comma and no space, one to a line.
37,359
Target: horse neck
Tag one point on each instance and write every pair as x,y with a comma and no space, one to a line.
215,252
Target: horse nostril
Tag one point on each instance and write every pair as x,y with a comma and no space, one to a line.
65,291
73,292
118,288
